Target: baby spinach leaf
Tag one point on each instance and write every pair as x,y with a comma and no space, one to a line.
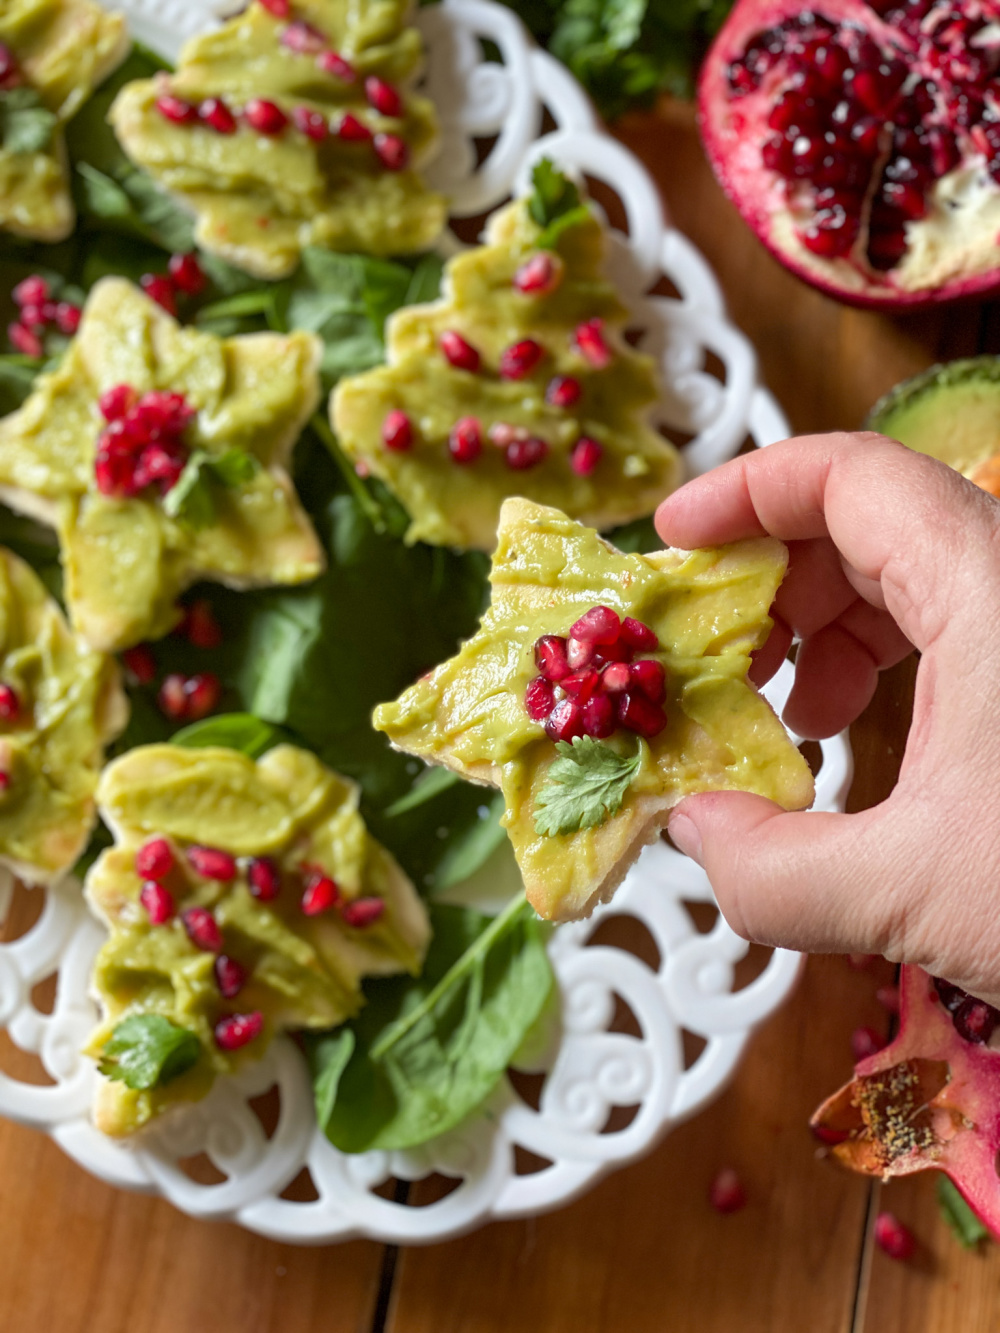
584,786
147,1050
26,124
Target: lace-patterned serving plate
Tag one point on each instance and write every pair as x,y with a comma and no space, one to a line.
586,1071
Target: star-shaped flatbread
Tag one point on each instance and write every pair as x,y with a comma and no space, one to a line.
62,49
295,969
126,561
60,704
709,611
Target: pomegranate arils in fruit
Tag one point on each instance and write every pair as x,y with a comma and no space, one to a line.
599,719
638,635
539,698
331,62
177,110
217,116
391,151
465,443
891,1236
865,1041
974,1020
383,97
158,902
211,863
238,1030
589,341
353,130
187,274
640,714
565,721
264,879
726,1193
457,352
202,929
10,704
141,663
397,431
154,859
563,391
599,625
24,341
321,894
550,657
312,124
585,456
264,116
362,912
540,274
230,976
520,359
520,455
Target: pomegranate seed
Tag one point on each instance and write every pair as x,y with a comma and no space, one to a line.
465,443
649,677
457,352
202,929
391,151
831,234
35,316
310,123
158,902
579,653
159,288
580,685
353,130
974,1020
397,431
177,110
585,456
31,291
640,714
539,275
589,340
615,678
265,117
599,717
303,38
521,455
240,1029
563,391
726,1193
172,696
321,895
211,863
279,8
888,998
230,976
68,318
160,412
187,273
10,703
599,625
865,1042
383,97
330,62
550,657
217,116
613,652
154,859
200,626
565,721
161,464
638,635
264,879
203,692
362,912
117,402
539,699
141,663
520,359
893,1237
24,341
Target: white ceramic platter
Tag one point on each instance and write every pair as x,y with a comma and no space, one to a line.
588,1070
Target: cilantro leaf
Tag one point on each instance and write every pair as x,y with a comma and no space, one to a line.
550,237
191,501
584,786
26,124
963,1223
552,195
147,1050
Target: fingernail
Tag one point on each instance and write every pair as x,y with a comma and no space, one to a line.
685,836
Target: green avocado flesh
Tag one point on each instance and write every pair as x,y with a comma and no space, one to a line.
456,505
260,199
64,49
303,971
709,610
51,753
125,560
951,412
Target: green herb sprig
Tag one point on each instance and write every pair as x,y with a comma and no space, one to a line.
584,786
147,1050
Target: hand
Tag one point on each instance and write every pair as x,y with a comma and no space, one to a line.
889,551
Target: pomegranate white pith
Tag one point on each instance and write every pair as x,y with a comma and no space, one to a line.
862,142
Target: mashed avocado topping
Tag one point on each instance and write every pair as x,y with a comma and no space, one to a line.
126,560
708,610
54,53
244,935
332,159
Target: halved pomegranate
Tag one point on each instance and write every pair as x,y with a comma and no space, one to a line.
862,142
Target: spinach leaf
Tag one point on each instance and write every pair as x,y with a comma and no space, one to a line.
428,1051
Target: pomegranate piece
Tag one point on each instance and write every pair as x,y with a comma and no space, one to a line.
187,274
114,403
68,318
160,288
539,699
200,626
158,902
362,912
36,317
10,704
565,721
520,455
303,38
397,431
177,110
202,929
465,443
599,717
613,652
895,1239
211,863
520,359
31,291
217,116
391,151
726,1193
579,653
457,352
865,1041
550,657
539,275
383,97
172,695
321,895
352,130
154,859
265,117
238,1030
24,341
140,663
230,976
581,684
264,879
640,714
585,456
589,342
312,124
203,692
331,62
616,677
600,625
647,676
564,391
638,636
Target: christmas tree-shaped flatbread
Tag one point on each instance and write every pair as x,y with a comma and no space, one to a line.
243,899
515,383
287,129
53,54
160,453
60,703
594,735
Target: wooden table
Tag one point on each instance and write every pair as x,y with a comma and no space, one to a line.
643,1251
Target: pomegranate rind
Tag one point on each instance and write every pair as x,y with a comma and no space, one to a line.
928,1101
951,254
708,610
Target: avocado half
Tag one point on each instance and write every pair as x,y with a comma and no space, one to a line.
951,412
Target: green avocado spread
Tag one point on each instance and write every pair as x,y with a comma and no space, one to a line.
302,971
126,561
709,611
259,199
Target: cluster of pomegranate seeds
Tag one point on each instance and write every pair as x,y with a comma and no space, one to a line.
539,275
891,1236
10,703
142,443
10,70
189,698
589,683
864,129
236,1030
38,313
974,1020
184,277
202,929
